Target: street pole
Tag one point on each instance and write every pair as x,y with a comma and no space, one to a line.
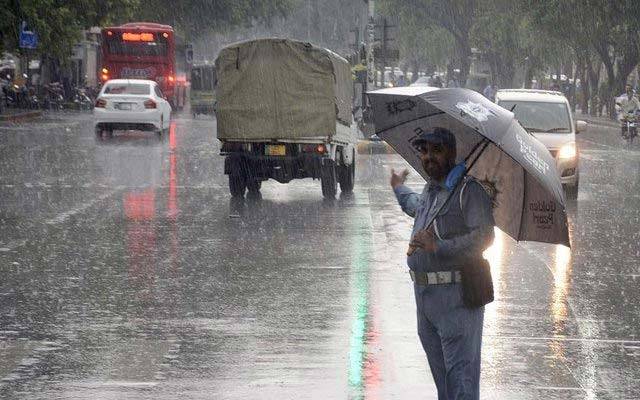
384,50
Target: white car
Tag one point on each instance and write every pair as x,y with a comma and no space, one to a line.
422,81
131,104
547,115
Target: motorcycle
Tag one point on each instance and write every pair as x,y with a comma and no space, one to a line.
629,128
54,98
81,99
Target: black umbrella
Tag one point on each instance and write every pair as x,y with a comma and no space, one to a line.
516,169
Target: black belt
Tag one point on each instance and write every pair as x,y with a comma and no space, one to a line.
435,278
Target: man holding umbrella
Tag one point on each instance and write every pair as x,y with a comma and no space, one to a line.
450,332
433,129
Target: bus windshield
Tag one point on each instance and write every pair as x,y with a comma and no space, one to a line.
154,48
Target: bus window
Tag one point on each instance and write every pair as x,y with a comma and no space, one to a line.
118,46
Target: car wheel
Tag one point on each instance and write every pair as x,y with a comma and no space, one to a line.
571,191
161,129
328,179
99,131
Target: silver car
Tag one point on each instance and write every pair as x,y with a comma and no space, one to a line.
547,115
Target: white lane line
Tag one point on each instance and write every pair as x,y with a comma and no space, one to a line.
566,339
12,245
27,127
60,218
559,388
598,144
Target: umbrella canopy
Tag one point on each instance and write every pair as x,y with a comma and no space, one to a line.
516,169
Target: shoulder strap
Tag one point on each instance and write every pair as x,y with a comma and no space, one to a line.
467,179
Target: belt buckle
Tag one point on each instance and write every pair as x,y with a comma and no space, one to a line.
443,277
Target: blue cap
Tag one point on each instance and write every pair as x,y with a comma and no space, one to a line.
436,135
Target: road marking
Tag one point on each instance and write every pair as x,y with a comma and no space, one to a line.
567,339
14,244
40,127
62,217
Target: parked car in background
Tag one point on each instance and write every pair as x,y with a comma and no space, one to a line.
547,115
136,104
422,81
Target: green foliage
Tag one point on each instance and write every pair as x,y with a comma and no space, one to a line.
610,29
194,17
422,45
456,17
59,23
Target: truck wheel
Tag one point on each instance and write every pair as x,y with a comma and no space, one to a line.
254,185
328,180
237,185
347,177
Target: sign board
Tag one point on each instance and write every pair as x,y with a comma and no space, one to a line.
27,39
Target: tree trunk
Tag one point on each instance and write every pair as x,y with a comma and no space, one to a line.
594,85
584,83
465,65
415,68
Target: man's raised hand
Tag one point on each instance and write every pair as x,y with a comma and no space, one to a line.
398,179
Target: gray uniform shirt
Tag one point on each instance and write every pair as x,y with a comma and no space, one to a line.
463,232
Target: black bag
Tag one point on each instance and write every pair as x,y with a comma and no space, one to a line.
477,285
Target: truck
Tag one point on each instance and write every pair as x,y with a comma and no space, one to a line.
284,112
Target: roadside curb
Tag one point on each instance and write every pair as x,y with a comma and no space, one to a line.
23,116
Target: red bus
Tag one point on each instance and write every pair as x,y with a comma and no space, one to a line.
142,50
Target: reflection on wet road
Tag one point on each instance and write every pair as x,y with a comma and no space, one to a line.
129,273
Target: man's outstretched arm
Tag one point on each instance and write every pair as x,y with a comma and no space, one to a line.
407,198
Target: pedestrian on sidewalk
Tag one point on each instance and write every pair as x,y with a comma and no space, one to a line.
490,92
450,333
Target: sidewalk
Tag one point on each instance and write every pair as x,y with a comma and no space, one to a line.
591,120
19,115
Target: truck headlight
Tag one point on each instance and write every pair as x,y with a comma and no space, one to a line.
567,151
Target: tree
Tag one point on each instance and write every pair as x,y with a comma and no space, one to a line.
608,29
58,23
455,16
196,17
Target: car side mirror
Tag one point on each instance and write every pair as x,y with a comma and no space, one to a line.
581,126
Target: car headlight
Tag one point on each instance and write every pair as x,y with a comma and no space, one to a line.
567,151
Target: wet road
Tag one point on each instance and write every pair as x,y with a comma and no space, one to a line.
128,273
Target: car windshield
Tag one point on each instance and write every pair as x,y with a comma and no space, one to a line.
127,88
539,116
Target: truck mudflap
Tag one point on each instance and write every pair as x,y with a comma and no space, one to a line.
281,168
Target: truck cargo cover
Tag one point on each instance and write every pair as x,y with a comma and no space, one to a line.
281,89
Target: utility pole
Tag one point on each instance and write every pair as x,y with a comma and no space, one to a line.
384,49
